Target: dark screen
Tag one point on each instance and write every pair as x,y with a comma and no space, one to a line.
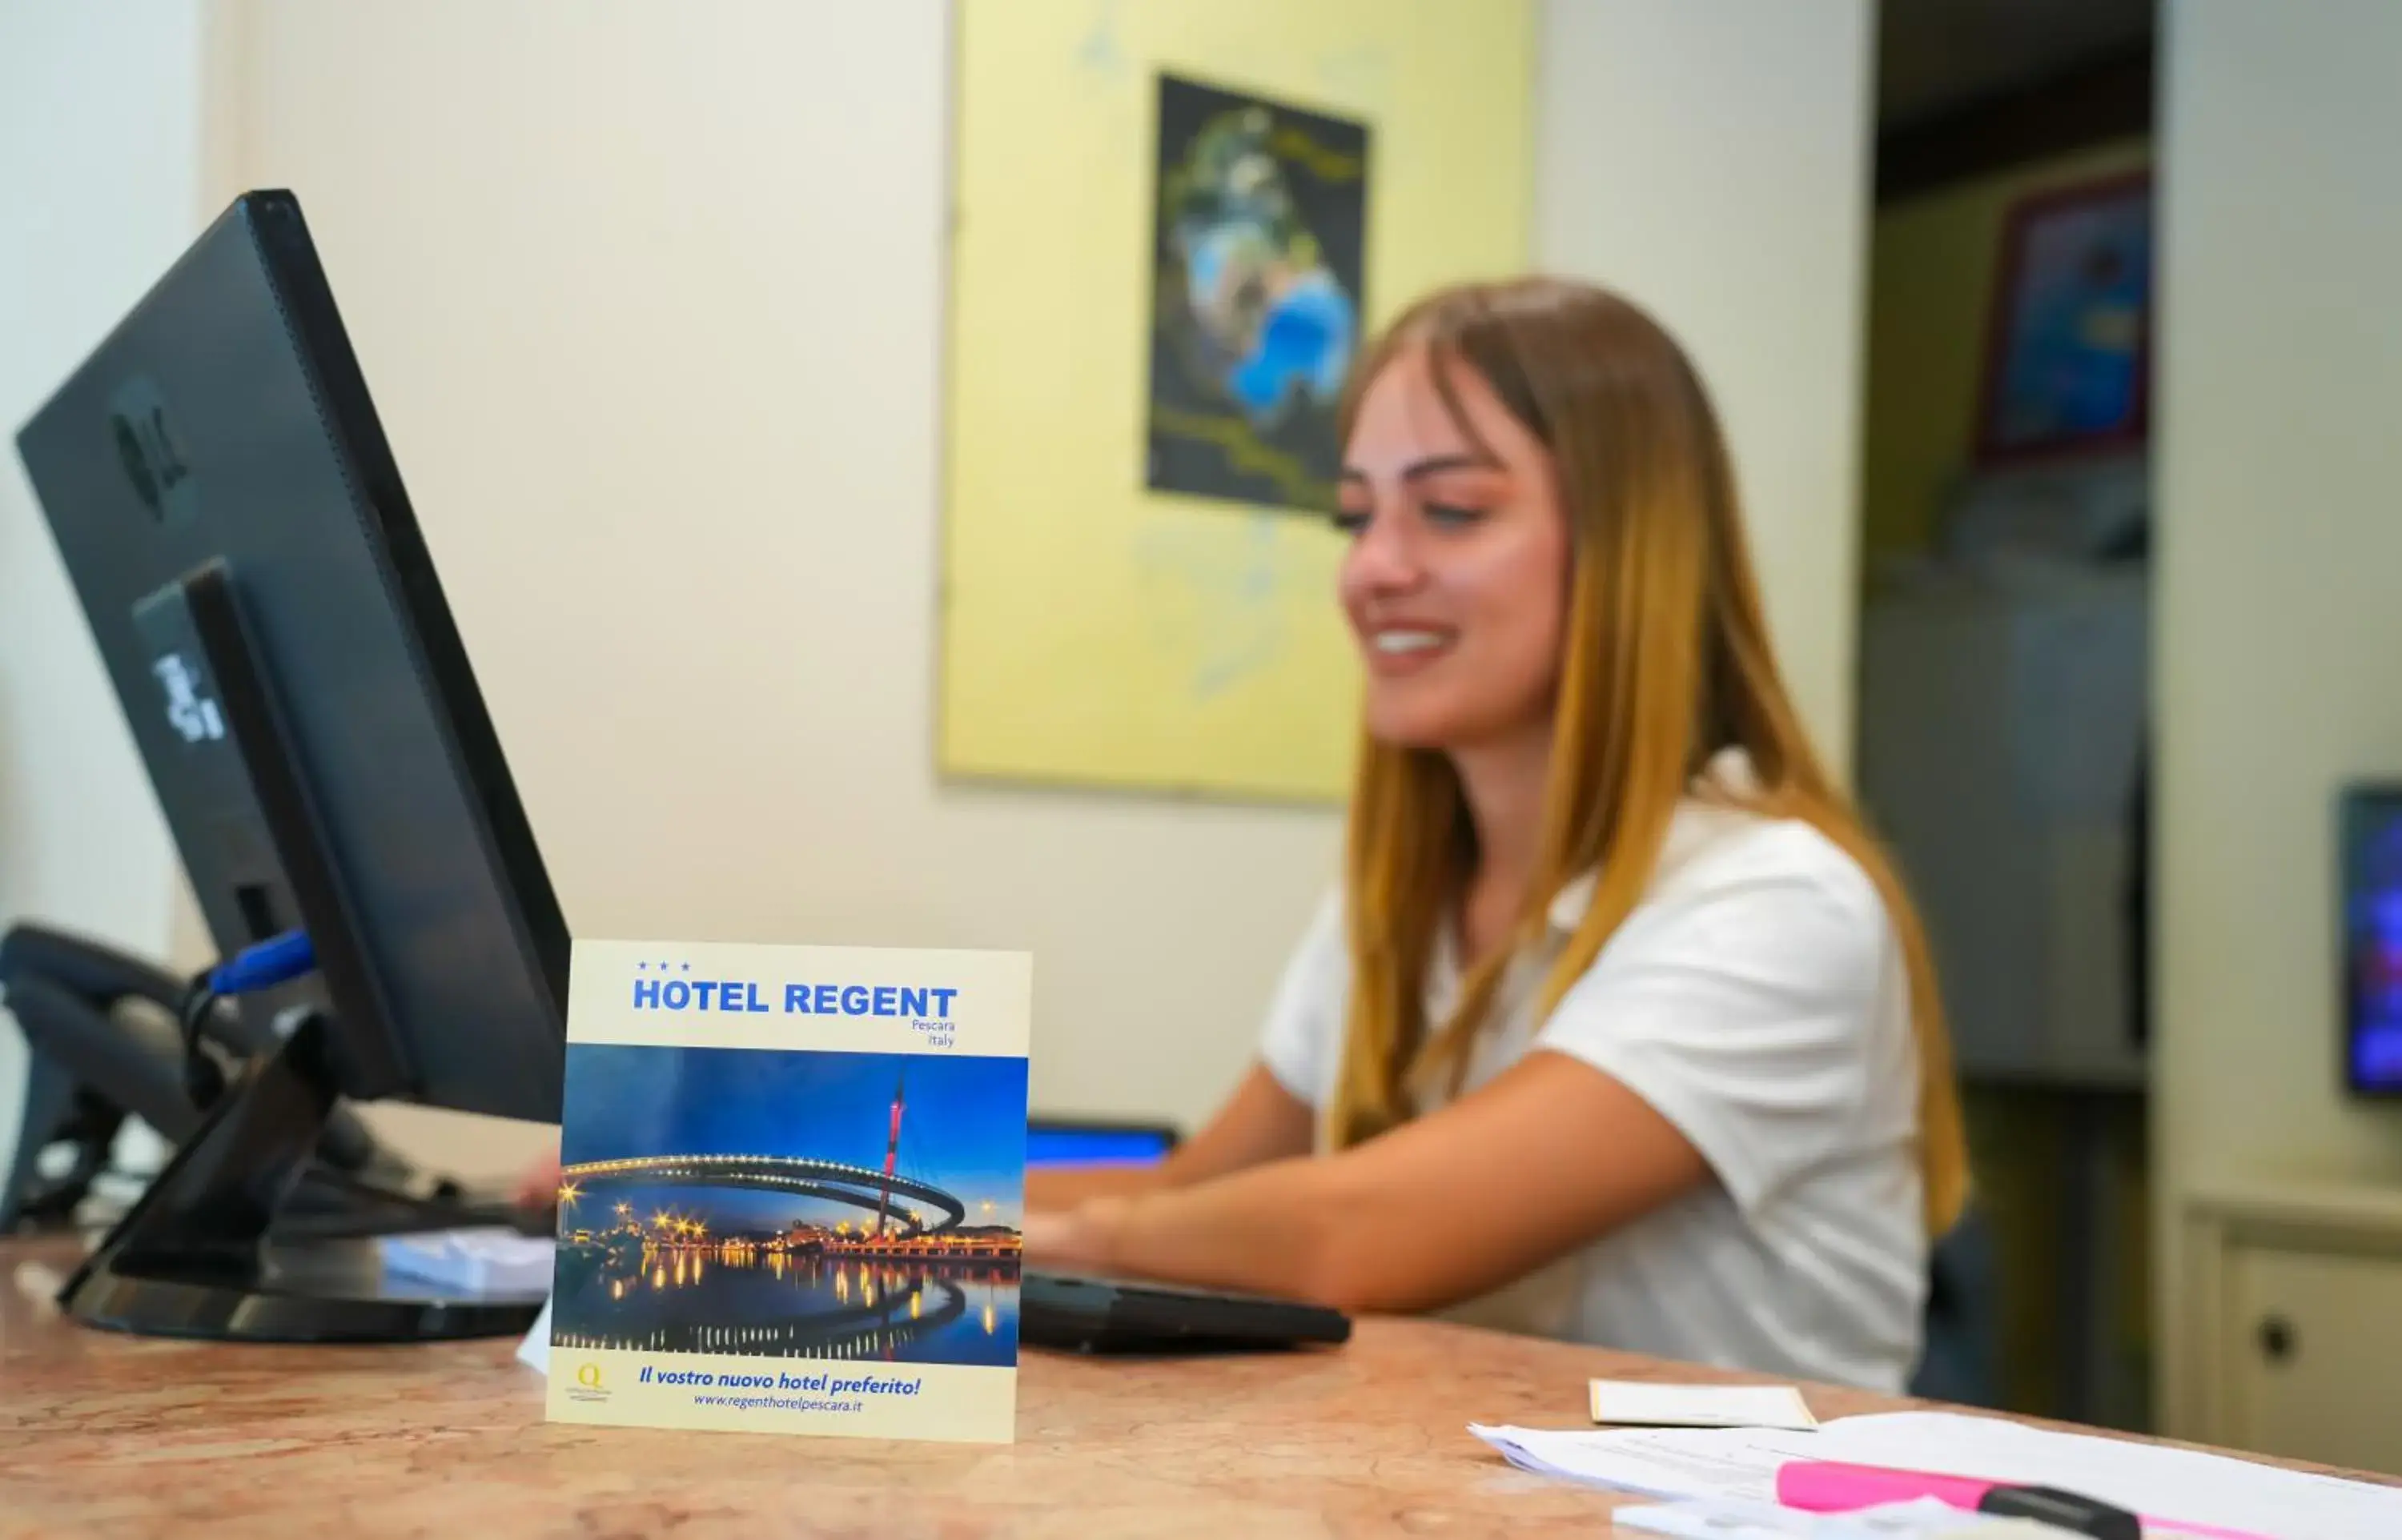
2372,918
225,421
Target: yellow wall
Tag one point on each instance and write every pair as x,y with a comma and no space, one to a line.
1930,287
1095,631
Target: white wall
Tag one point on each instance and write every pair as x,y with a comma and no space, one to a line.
100,170
1711,162
2280,640
651,309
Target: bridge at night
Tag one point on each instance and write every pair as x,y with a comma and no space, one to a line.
859,1187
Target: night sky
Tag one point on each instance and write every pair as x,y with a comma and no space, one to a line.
963,1130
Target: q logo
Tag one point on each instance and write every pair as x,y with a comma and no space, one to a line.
588,1376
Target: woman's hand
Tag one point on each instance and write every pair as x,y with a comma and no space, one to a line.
1076,1238
538,1185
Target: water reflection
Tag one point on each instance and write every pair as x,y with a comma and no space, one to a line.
671,1299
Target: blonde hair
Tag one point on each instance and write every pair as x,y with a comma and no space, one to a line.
1667,661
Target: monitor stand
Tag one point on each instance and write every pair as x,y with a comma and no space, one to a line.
194,1255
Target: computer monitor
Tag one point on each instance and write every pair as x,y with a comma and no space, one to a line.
2370,831
235,527
1062,1144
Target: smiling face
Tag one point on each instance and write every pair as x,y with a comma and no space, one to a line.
1457,581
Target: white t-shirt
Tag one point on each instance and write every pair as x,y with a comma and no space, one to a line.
1756,999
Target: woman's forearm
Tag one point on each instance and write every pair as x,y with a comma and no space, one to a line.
1439,1210
1260,1121
1261,1230
1066,1187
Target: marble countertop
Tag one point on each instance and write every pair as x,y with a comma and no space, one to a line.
106,1433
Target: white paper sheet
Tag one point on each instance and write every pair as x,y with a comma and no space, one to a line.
1735,1465
1644,1403
486,1258
2204,1493
534,1352
1705,1518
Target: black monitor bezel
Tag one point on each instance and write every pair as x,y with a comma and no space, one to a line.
267,230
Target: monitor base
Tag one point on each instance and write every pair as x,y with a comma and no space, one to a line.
328,1292
193,1257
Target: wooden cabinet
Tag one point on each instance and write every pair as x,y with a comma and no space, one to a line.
2294,1318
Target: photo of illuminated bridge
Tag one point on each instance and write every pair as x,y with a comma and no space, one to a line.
688,1222
871,1190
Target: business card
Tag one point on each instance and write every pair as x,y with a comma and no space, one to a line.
1646,1403
792,1181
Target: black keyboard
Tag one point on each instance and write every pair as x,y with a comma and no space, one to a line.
1090,1314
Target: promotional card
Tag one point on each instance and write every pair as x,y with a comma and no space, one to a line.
792,1181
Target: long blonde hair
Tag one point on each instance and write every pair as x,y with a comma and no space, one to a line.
1667,661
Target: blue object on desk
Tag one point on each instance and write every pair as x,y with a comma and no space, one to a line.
270,963
1055,1142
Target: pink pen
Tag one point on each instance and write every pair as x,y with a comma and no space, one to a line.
1827,1486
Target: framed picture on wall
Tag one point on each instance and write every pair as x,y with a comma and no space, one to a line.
1260,222
1146,354
2068,351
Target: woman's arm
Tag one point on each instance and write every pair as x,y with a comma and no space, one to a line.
1548,1156
1260,1121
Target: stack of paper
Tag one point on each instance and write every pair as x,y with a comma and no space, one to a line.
486,1260
1739,1464
2206,1494
534,1352
1720,1518
1650,1403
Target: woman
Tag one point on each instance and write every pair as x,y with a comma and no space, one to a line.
1621,1029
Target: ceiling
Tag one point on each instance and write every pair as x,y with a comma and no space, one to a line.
1935,57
